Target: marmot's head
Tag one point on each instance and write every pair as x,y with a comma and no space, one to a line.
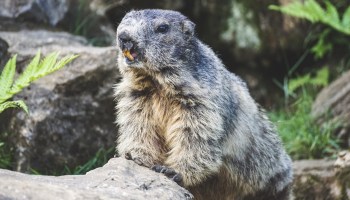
154,39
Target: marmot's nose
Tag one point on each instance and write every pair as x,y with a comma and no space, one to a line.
125,40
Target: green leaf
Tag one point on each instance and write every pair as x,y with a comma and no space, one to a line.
32,72
295,9
322,46
346,18
321,78
298,82
45,65
65,60
13,104
312,11
24,79
332,12
6,77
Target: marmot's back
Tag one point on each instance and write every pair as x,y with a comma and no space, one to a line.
182,112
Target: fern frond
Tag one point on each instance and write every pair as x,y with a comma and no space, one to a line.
13,104
24,79
65,60
346,18
312,11
332,13
45,65
6,77
35,70
296,9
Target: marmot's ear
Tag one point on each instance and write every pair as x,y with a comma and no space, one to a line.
188,28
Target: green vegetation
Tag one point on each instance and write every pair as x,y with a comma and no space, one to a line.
35,70
101,157
313,11
329,16
9,87
98,160
303,137
85,23
6,153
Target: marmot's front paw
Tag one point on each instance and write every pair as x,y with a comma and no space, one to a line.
169,172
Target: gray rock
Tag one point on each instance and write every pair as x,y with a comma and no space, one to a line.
123,179
321,180
3,53
118,179
71,111
343,160
333,104
51,11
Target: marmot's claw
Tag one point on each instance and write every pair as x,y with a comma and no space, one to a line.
137,160
128,156
169,172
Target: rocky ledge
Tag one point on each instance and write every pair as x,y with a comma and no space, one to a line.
123,179
118,179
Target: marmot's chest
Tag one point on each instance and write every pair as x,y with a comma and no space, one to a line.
164,110
162,104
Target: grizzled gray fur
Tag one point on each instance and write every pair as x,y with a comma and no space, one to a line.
183,114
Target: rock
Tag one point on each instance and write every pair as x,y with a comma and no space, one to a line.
333,104
51,11
3,53
343,160
84,19
118,179
123,179
320,180
71,111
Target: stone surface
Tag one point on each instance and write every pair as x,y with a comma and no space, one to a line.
333,104
321,180
343,160
118,179
3,53
51,11
71,111
123,179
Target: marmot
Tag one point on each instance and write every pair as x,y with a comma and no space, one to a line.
181,112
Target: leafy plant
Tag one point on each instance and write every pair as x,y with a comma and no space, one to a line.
290,85
98,160
315,13
36,69
303,138
6,153
320,79
101,157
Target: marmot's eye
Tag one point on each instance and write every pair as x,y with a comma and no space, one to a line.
163,28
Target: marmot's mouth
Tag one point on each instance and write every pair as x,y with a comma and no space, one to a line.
130,52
